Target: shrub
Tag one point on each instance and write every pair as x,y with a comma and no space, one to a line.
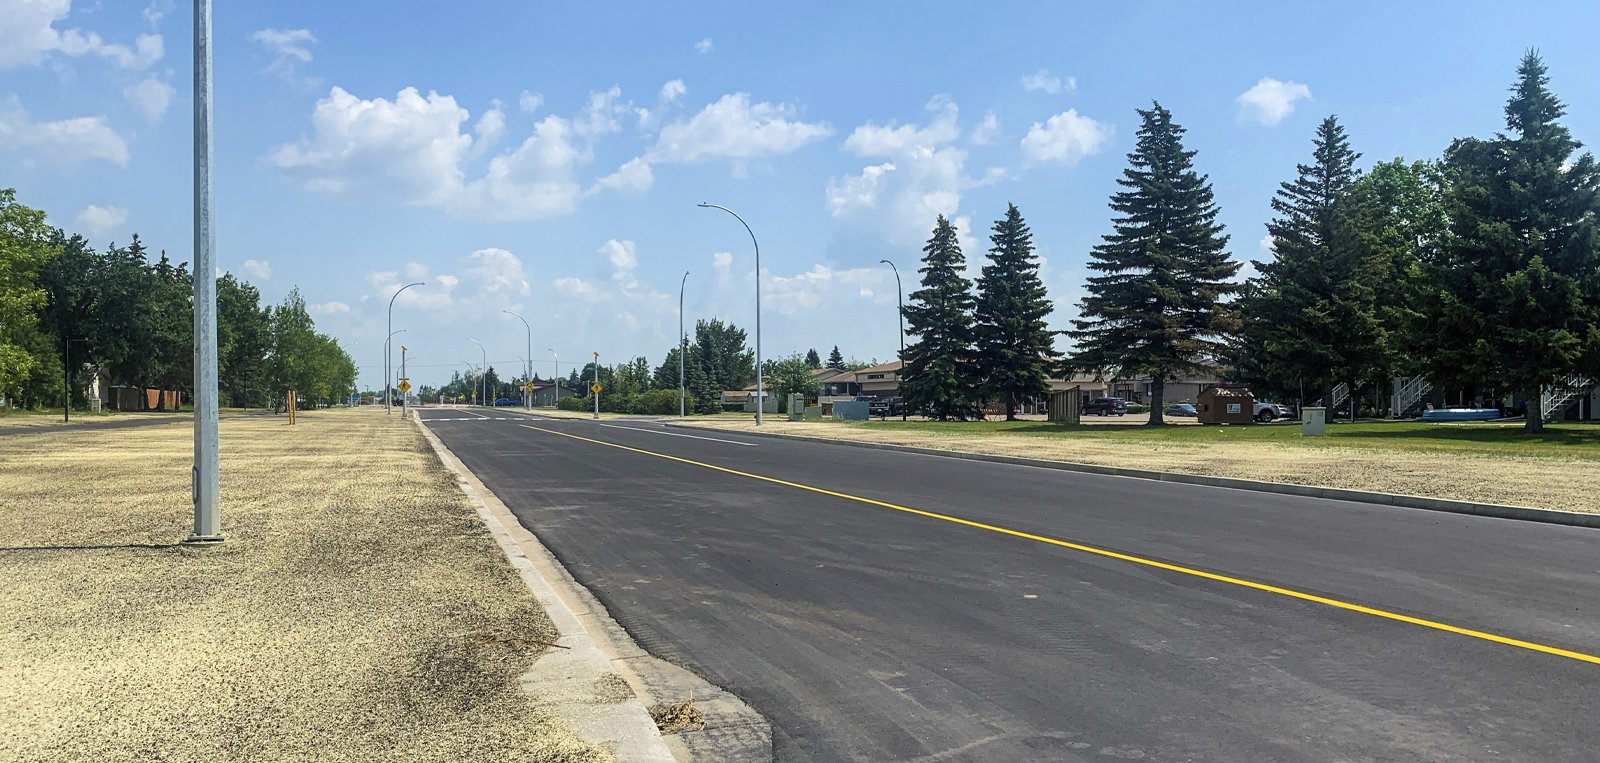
573,403
1138,408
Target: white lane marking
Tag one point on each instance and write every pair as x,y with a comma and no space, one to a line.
475,413
676,434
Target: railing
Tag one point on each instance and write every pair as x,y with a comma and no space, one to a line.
1558,396
1410,397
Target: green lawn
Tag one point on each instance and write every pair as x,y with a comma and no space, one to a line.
1570,440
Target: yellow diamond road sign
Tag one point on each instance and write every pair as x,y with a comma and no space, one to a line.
595,388
404,386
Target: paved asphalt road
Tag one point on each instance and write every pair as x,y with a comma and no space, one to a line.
866,632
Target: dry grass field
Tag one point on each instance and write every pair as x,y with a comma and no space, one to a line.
358,611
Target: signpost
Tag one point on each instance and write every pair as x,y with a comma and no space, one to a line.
595,387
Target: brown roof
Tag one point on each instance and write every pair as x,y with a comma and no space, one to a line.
881,368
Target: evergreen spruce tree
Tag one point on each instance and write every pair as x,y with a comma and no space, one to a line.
1518,301
836,359
937,377
1156,308
1311,318
1014,348
813,359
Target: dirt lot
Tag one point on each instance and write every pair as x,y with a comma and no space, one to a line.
358,611
1558,472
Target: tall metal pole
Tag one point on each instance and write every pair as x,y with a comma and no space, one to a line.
388,355
681,389
386,350
206,489
557,399
899,298
405,399
527,364
593,391
761,402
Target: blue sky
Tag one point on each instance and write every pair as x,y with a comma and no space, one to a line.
547,158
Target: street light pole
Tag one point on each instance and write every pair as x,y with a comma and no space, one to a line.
557,399
760,394
206,490
483,381
681,389
388,380
386,342
527,365
901,301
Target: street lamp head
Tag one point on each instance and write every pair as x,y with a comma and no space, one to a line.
703,204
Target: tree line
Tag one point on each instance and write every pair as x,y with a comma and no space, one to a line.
1479,270
69,311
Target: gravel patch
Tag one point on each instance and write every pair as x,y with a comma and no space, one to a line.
358,611
1538,481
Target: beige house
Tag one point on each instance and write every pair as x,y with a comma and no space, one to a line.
1137,389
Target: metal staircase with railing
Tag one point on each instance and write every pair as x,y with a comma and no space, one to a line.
1561,394
1408,400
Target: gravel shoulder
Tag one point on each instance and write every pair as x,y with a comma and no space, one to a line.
1542,480
358,611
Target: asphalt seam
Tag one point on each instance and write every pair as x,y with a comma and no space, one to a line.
1171,567
1471,508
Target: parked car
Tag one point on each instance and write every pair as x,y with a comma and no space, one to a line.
506,401
1181,409
1266,411
1106,406
886,406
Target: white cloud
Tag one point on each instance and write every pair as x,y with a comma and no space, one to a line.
1065,138
703,46
603,114
158,10
985,131
634,176
490,280
889,140
97,220
68,142
496,274
579,289
28,36
289,48
1270,101
623,261
805,292
1043,80
673,90
414,150
489,129
326,309
734,128
150,96
260,269
923,178
536,180
722,266
408,149
857,191
529,102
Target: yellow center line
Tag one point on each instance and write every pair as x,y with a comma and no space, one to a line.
1289,592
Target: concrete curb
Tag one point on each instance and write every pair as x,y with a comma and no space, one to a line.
1500,511
598,646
